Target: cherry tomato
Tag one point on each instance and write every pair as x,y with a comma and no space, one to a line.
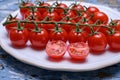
24,10
60,8
78,51
60,34
101,16
48,27
10,26
51,15
39,39
68,27
114,40
31,26
92,9
117,26
43,10
102,28
87,28
97,42
84,15
36,15
18,38
76,8
69,14
56,49
77,36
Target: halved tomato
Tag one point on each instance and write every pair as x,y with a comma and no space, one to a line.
56,49
78,50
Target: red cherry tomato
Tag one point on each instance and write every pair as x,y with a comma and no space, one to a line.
31,26
18,38
69,14
77,36
117,26
114,41
39,39
76,8
68,27
10,26
87,28
51,15
97,42
43,10
92,9
56,49
36,15
59,35
24,10
60,8
101,16
78,51
102,28
84,15
48,27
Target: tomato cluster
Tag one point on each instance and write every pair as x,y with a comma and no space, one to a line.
44,23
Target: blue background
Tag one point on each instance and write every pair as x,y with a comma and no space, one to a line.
12,69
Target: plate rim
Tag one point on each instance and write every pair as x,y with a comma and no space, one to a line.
114,61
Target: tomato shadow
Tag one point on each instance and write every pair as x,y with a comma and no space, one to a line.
97,52
113,50
77,61
36,48
55,60
20,47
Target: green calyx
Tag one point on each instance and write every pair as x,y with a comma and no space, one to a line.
36,28
78,30
19,26
57,29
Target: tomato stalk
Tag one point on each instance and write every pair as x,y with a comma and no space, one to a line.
51,22
78,30
57,29
19,26
36,28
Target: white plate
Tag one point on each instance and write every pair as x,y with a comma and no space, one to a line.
40,59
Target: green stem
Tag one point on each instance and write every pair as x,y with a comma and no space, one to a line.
19,26
36,27
77,28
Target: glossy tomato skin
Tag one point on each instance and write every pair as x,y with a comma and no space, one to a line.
43,10
68,27
117,27
84,15
60,8
36,15
78,50
39,39
77,36
48,27
24,10
10,26
31,26
97,42
101,28
60,35
51,15
76,8
69,14
87,28
56,49
18,38
101,16
114,41
92,9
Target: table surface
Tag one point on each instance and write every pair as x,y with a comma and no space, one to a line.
12,69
